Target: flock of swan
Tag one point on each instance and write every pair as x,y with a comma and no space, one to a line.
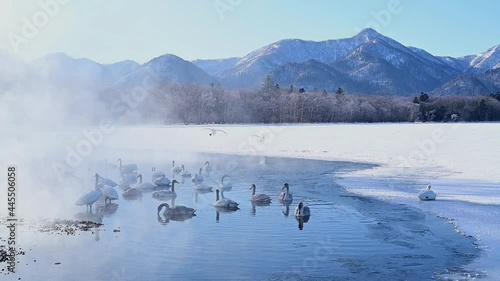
163,189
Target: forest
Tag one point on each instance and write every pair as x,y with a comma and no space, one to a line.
271,103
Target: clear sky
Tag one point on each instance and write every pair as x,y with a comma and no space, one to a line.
113,30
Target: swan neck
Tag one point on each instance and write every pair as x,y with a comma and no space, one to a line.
96,183
120,160
253,190
140,178
217,196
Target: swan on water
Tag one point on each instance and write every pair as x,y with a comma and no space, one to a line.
131,192
259,198
224,203
109,193
198,177
184,172
175,169
144,185
427,194
160,194
106,181
90,197
302,210
213,131
156,174
175,211
127,168
226,184
286,195
207,169
201,186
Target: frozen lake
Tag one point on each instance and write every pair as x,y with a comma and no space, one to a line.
348,237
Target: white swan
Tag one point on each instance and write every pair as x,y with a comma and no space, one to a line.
302,210
109,193
130,177
259,198
224,203
90,197
175,211
131,192
184,172
162,181
156,174
127,168
160,194
198,177
226,185
144,185
286,195
106,181
175,169
207,169
427,194
201,186
213,131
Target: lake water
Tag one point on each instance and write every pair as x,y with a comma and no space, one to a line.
347,237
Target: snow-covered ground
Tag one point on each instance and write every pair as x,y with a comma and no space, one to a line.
460,161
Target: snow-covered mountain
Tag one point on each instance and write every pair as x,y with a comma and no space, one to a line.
367,63
368,57
467,84
216,67
167,69
314,75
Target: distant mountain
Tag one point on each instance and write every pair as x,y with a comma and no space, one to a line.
468,85
216,67
314,75
485,61
394,68
367,63
167,69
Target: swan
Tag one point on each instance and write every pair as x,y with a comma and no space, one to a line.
175,169
130,177
259,198
427,194
109,193
160,194
226,185
213,131
90,197
131,192
162,181
224,202
184,172
144,185
261,137
127,168
198,177
302,210
106,181
201,186
156,174
176,211
207,169
286,195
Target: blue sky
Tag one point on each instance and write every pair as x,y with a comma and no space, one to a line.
113,30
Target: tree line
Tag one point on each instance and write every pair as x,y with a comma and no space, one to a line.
200,104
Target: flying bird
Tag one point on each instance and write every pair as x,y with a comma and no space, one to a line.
261,137
213,131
